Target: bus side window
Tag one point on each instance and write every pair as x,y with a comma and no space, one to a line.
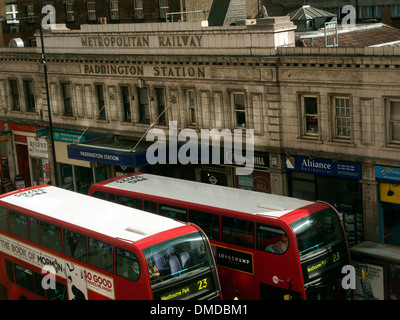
208,222
271,239
51,236
3,219
127,264
58,293
34,230
19,225
150,206
104,196
176,213
75,245
101,255
38,277
238,231
130,202
24,277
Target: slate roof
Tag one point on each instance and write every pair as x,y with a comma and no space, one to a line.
377,34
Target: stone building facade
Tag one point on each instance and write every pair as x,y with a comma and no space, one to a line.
325,120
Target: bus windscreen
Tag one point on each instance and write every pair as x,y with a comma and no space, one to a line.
317,231
186,259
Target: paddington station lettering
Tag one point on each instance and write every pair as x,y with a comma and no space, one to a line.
137,70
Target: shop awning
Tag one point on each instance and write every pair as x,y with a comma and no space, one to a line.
113,150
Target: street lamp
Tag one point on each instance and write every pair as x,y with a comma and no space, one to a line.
44,62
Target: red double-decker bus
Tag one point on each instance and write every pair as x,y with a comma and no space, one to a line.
58,244
266,246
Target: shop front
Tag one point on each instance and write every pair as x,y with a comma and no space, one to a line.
100,158
389,204
30,166
336,182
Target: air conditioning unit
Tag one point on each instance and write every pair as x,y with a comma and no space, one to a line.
14,29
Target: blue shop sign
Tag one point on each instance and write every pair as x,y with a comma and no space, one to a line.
343,169
118,158
387,172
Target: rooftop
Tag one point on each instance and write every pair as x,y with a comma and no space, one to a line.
363,35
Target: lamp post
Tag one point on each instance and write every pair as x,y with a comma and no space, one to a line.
44,63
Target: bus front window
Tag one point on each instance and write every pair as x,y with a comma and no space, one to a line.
323,252
180,267
317,231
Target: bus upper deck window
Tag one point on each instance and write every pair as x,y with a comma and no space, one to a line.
271,239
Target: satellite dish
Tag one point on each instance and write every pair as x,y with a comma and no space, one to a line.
16,43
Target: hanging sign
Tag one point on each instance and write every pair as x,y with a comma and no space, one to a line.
37,148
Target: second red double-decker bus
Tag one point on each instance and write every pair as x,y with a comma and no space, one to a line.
58,244
266,246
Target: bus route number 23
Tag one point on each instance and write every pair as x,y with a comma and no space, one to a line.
336,257
202,284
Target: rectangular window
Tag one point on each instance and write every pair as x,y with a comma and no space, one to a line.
191,104
101,255
126,104
271,239
127,264
341,109
160,95
75,245
394,121
12,13
14,94
100,102
114,12
3,219
163,8
395,10
208,222
130,202
51,236
91,11
66,96
34,230
30,13
172,212
138,8
19,225
29,95
69,11
237,231
372,12
143,101
24,277
40,291
309,111
238,106
150,206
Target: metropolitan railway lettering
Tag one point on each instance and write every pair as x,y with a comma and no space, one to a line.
173,41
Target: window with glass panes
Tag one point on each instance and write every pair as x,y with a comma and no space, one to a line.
238,101
394,121
138,9
342,117
309,106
